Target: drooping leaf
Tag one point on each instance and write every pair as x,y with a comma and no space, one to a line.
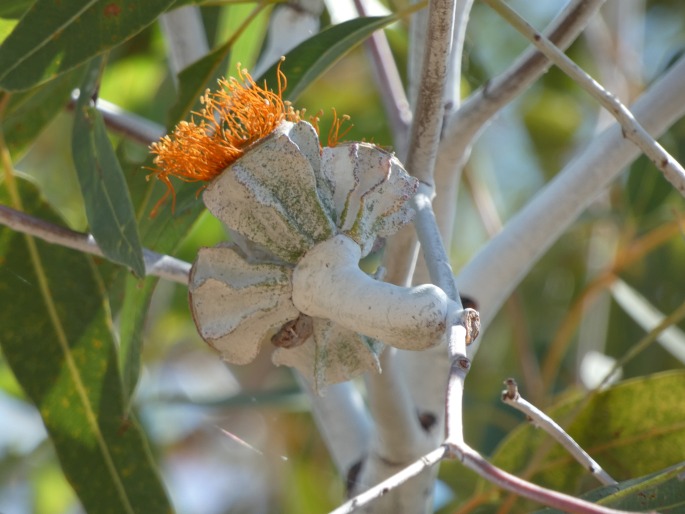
193,80
54,37
56,336
28,112
310,59
108,205
164,234
632,429
133,315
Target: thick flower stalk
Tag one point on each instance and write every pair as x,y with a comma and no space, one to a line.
303,217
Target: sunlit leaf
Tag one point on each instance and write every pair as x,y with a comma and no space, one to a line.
54,37
632,429
56,336
108,205
310,59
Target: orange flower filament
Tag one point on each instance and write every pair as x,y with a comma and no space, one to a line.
237,115
336,132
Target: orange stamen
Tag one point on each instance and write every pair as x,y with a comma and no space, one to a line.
334,134
232,118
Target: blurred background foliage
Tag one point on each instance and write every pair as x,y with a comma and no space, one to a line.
197,411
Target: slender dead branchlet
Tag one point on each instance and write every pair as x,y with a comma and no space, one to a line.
632,129
475,462
511,396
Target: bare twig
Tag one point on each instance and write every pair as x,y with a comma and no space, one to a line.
511,396
474,461
163,266
632,129
464,125
129,124
498,267
126,123
427,368
402,248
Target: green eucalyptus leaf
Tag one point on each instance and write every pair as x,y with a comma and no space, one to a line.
163,233
56,337
108,205
310,59
28,112
133,314
634,428
54,37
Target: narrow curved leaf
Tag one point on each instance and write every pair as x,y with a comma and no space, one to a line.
54,37
163,234
107,200
310,59
56,337
634,428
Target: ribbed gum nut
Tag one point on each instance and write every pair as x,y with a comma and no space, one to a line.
270,196
237,305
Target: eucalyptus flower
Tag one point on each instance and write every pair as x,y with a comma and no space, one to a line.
302,217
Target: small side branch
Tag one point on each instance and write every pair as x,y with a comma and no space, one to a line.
632,129
163,266
130,125
384,487
511,396
474,461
